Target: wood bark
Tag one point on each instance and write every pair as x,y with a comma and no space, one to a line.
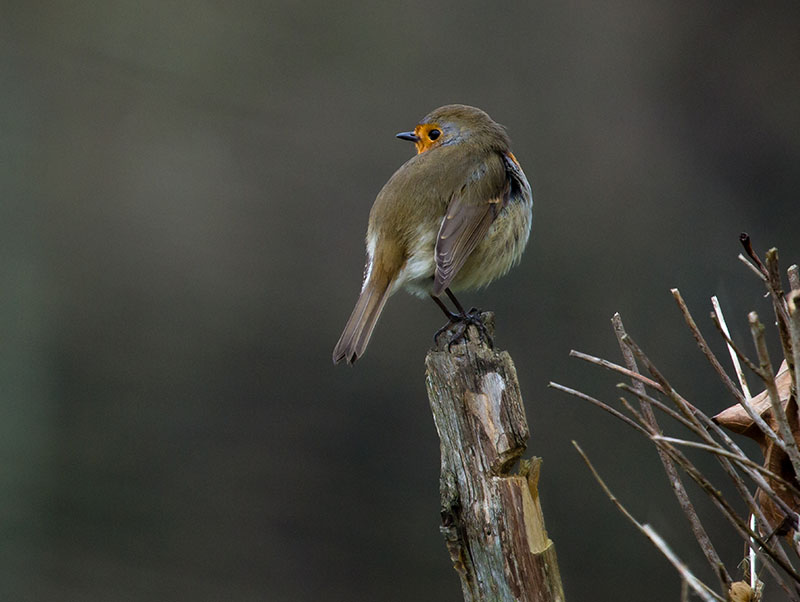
492,521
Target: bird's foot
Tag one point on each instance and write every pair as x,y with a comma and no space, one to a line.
458,327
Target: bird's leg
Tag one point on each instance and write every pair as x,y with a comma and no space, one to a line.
450,315
464,319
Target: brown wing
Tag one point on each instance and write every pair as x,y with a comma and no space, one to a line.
469,215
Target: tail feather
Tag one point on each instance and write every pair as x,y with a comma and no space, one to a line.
359,327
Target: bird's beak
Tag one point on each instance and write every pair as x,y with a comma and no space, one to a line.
411,136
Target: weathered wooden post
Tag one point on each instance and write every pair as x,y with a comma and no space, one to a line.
491,519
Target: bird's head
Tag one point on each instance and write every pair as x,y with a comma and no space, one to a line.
455,124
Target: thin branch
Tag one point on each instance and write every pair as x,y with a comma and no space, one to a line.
739,459
751,557
777,555
677,416
763,523
778,413
716,429
779,305
794,332
728,512
744,238
692,414
734,359
599,404
736,349
630,362
701,343
775,286
736,452
794,277
756,513
752,268
615,368
719,501
684,406
768,547
678,488
700,588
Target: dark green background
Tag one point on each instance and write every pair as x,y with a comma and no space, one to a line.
185,189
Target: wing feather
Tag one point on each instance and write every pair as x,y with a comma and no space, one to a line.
470,214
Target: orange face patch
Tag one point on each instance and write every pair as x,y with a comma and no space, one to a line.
429,135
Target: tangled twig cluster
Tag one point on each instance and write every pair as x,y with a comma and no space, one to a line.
771,524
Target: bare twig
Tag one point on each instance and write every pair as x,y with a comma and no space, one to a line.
734,359
736,451
768,376
678,488
694,417
722,504
677,416
751,557
703,434
764,540
599,404
775,285
738,458
630,362
754,546
794,277
779,305
794,332
740,355
685,407
744,238
752,268
716,496
615,368
757,517
753,539
700,588
701,343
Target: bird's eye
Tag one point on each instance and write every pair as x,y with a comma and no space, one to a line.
434,134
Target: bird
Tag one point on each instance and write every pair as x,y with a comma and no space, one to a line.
455,216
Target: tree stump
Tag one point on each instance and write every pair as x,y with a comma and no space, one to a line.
492,521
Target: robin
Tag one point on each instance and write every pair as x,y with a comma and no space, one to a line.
455,216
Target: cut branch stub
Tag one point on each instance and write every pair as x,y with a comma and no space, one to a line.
491,519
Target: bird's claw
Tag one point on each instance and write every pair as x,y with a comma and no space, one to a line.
462,322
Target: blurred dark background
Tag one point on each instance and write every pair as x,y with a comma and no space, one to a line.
185,190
